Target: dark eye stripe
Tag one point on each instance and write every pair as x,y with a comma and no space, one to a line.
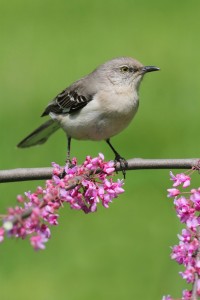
132,70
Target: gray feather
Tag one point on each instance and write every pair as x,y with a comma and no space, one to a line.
40,135
69,100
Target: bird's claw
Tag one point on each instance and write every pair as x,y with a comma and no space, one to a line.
123,164
69,165
68,162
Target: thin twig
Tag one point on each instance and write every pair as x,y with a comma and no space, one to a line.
24,174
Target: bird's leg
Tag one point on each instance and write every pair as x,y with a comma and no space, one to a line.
122,161
68,150
68,160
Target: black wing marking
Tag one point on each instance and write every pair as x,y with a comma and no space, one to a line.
67,102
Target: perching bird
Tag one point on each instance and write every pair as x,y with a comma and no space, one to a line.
96,107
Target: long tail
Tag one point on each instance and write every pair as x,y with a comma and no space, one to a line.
40,135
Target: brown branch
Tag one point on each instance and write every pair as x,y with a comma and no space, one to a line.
24,174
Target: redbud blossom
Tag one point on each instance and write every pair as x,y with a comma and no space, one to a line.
173,192
82,187
187,252
180,179
186,295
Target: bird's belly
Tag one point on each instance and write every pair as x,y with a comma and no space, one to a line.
90,124
94,128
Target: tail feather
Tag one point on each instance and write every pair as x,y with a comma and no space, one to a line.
40,135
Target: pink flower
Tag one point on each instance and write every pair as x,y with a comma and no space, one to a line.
192,223
20,198
52,219
56,169
179,253
180,179
183,209
186,236
82,187
44,229
173,192
195,198
2,232
37,241
192,247
187,295
187,251
188,274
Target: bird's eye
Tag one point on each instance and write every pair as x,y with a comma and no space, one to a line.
124,69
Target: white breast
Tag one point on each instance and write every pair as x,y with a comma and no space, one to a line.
103,117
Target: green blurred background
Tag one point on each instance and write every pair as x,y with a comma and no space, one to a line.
122,252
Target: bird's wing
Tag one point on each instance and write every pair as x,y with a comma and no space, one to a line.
68,101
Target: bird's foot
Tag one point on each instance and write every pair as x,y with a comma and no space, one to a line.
123,164
68,165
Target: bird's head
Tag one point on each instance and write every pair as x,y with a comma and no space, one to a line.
125,71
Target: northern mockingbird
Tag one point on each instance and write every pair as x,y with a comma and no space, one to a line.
96,107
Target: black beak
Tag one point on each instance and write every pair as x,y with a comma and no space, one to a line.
149,69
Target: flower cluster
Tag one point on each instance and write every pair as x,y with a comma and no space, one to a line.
82,187
187,252
186,295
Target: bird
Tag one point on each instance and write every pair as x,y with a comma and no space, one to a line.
96,107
